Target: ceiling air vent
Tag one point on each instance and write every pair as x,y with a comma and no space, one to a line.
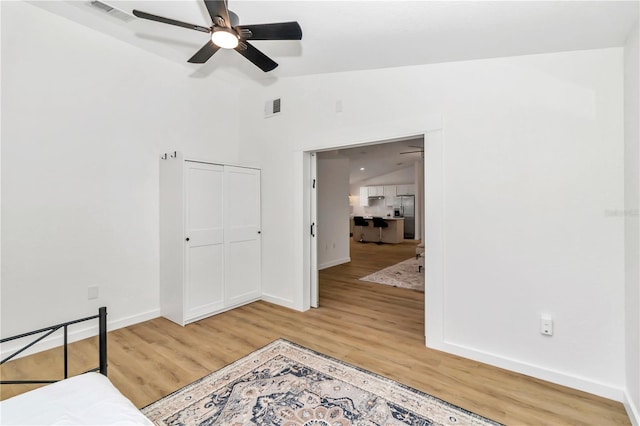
113,11
272,108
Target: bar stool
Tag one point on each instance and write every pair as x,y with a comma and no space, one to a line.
359,221
380,223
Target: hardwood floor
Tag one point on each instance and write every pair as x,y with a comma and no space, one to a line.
373,326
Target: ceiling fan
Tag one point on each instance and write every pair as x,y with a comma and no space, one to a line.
227,34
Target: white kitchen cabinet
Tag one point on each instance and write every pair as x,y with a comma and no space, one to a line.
389,195
375,191
209,238
407,189
364,196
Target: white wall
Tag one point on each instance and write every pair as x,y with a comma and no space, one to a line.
333,211
85,118
632,228
532,159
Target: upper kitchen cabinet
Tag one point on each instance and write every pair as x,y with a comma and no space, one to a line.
364,196
407,189
376,191
389,194
370,191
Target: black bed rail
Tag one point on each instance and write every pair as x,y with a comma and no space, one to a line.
102,346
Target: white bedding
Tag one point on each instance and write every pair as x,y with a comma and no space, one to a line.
87,399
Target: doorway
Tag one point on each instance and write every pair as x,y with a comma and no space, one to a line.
395,168
434,228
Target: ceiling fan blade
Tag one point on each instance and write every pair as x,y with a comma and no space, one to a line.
277,31
145,15
258,58
218,8
204,53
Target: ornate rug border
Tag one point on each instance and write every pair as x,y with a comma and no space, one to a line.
388,380
275,344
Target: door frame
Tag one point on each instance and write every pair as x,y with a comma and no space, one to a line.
314,283
433,225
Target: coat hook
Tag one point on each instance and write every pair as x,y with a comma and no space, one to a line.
164,157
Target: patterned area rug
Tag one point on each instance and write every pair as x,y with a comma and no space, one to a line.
404,274
288,385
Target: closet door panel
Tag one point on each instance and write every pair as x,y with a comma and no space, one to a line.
242,235
204,292
243,278
204,274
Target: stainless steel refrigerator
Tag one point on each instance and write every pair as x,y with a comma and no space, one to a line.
406,204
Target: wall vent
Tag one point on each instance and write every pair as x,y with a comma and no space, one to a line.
113,11
272,107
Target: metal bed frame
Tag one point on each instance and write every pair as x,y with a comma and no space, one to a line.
102,346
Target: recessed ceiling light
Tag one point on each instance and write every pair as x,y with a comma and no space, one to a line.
361,168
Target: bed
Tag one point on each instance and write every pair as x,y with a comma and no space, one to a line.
85,399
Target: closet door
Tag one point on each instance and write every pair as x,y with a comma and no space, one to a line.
204,235
242,235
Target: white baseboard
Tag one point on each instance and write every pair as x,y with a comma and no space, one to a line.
133,319
76,333
334,263
633,411
605,390
278,301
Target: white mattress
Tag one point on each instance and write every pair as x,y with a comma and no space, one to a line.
87,399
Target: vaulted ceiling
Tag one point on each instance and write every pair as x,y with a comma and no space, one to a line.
343,36
379,158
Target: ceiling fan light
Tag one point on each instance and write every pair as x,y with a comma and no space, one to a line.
224,38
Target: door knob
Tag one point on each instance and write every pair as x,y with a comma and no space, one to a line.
259,232
187,239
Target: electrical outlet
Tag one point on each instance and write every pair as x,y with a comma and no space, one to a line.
546,325
92,292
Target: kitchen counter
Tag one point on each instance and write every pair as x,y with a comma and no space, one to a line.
393,234
385,218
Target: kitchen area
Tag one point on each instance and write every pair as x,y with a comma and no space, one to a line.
379,184
383,214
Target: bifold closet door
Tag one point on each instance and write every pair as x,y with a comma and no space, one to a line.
204,256
242,235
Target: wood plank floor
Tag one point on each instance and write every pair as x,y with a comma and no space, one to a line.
373,326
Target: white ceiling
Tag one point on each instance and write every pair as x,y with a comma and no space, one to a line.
355,35
378,159
343,36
